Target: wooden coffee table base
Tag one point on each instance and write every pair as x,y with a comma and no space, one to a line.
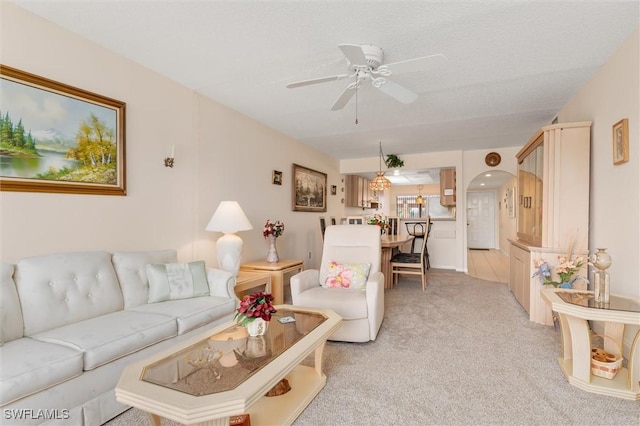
248,397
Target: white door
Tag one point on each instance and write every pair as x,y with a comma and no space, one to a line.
481,220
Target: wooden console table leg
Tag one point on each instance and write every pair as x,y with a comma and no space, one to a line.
567,352
581,348
633,378
154,419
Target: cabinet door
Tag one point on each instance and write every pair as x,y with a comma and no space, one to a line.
448,187
353,196
530,181
519,279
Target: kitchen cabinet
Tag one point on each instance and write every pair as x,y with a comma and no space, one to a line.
448,187
358,193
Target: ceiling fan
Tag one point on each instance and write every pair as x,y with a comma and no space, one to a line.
365,63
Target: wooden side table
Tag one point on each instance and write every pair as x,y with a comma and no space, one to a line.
277,270
247,280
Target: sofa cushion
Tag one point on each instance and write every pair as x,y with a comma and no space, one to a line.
192,313
130,269
28,366
174,281
60,289
347,275
11,325
112,336
349,303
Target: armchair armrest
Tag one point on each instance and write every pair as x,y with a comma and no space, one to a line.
375,302
304,281
221,284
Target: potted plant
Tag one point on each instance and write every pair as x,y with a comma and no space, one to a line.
393,161
254,312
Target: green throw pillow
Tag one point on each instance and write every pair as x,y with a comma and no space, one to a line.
173,281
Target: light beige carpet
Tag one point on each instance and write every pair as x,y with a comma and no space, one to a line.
461,353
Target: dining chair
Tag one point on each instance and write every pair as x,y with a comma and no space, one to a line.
323,226
355,220
411,264
417,230
393,226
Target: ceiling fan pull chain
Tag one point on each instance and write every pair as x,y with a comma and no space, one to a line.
357,84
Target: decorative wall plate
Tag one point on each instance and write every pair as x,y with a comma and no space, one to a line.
492,159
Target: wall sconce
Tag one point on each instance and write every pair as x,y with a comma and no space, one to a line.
168,162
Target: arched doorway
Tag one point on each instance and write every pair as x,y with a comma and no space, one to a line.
490,223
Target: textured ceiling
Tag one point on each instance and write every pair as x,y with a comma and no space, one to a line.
512,65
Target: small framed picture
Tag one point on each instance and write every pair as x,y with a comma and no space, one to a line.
276,178
621,141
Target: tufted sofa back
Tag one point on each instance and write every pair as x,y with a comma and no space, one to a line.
60,289
10,311
130,268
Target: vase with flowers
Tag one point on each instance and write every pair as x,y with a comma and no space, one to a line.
254,312
380,221
565,271
271,231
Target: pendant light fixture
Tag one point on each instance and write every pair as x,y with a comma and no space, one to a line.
420,199
380,183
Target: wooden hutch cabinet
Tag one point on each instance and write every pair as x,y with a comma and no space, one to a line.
552,208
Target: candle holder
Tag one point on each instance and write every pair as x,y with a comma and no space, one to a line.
168,162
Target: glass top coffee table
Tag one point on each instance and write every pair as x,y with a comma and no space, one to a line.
224,372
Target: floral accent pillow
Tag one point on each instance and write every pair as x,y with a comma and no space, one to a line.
347,275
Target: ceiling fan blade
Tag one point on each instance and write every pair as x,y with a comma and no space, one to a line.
343,99
354,53
416,64
398,92
316,81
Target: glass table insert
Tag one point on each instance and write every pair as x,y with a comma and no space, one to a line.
587,300
226,359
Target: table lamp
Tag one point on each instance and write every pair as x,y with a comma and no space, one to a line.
229,219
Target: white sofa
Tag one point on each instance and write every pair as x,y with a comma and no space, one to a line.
70,323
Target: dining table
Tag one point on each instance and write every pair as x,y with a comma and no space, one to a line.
390,245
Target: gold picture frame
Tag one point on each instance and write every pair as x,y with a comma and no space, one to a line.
309,190
58,138
620,141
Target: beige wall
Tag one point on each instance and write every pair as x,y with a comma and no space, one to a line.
611,95
219,154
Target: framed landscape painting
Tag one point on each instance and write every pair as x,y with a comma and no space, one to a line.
58,138
309,190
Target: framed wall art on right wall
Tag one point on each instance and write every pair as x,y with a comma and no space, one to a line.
621,141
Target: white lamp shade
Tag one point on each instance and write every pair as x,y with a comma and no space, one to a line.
229,218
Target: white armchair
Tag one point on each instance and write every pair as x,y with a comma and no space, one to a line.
351,248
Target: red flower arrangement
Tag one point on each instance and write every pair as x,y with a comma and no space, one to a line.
256,305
